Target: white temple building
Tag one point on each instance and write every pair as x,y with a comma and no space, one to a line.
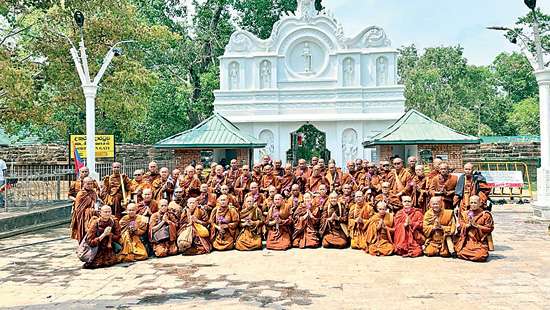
308,72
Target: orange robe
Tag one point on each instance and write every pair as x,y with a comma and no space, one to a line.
199,244
438,241
162,189
447,186
258,198
392,201
231,177
278,235
83,211
242,186
293,202
190,186
250,237
399,181
408,240
285,184
166,247
218,217
470,189
76,186
147,208
334,181
358,230
105,256
112,192
207,202
472,243
132,247
380,240
313,183
334,233
419,193
306,233
268,180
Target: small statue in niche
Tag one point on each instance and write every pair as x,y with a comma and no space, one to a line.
234,76
265,75
348,72
308,58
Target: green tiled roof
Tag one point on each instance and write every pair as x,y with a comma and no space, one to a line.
509,139
416,128
214,132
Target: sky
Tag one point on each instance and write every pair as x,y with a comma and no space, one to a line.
428,23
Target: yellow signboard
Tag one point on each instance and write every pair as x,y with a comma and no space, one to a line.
104,146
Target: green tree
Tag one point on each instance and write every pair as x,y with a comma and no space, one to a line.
525,116
259,16
514,75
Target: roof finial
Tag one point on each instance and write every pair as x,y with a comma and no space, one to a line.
306,8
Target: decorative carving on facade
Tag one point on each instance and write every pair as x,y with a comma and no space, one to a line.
265,74
349,145
234,77
348,71
381,71
267,136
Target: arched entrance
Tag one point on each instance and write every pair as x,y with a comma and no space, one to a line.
307,142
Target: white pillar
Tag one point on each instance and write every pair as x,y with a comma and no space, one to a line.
90,92
542,205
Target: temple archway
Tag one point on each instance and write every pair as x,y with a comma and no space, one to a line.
307,142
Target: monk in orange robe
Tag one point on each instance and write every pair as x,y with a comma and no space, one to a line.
476,226
443,185
83,209
132,226
348,178
206,200
233,201
224,222
419,189
232,174
257,173
193,234
434,171
137,184
115,187
470,184
242,184
380,231
334,179
399,178
163,230
392,201
315,180
408,237
322,198
190,183
152,174
279,225
347,196
102,232
439,227
295,198
250,227
77,185
268,179
163,187
334,224
216,180
359,214
371,183
255,194
306,224
147,206
269,201
286,181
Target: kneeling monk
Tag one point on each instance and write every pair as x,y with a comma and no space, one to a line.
408,237
334,223
439,226
102,232
194,236
251,222
133,226
163,229
224,221
380,231
359,214
279,224
475,227
306,224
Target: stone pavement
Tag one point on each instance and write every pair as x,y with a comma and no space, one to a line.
49,276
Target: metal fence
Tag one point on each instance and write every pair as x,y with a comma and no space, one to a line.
49,184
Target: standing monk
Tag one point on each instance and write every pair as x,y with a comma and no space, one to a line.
306,224
217,180
152,174
163,188
380,231
116,188
232,174
400,178
279,223
286,181
268,179
359,214
334,178
102,232
334,224
232,200
408,237
137,185
190,183
242,184
224,221
475,227
315,180
255,194
83,209
250,227
443,185
295,198
257,173
163,229
419,186
77,185
439,227
470,184
132,226
147,206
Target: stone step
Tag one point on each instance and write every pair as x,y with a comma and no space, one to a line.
34,219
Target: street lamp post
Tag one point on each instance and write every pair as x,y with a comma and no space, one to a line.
542,74
89,88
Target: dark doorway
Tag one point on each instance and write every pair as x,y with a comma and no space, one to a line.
307,142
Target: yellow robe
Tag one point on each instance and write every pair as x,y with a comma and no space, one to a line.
132,247
438,241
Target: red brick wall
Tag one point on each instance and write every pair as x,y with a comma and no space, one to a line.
185,157
453,151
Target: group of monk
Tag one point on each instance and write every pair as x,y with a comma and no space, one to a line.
382,209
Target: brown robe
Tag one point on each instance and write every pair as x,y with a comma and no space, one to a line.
258,198
218,217
445,188
279,235
420,195
83,211
334,233
250,237
190,186
231,177
380,240
408,240
293,202
306,231
285,184
147,208
334,181
438,241
242,186
76,186
313,183
162,189
207,202
472,243
166,247
112,193
105,256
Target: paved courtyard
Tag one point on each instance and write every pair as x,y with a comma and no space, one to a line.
49,276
